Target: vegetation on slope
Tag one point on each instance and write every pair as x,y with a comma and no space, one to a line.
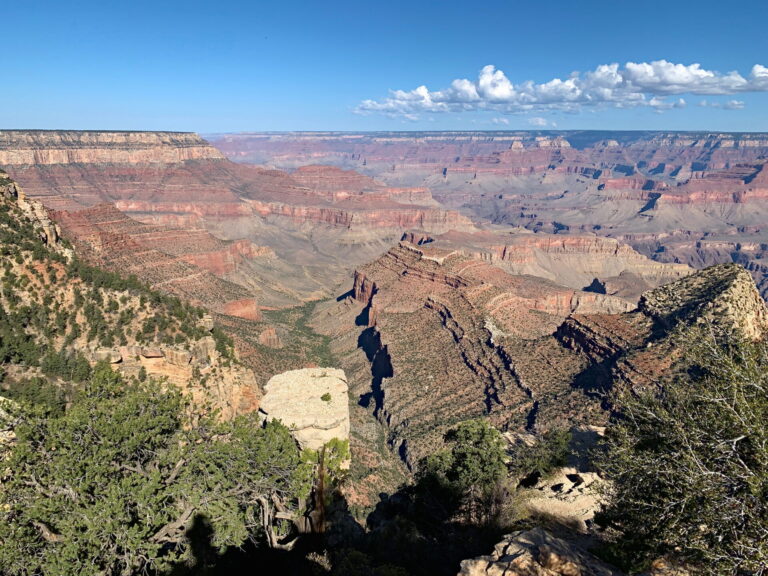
55,309
108,474
689,465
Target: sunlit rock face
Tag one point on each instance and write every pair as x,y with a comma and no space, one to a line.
536,553
312,402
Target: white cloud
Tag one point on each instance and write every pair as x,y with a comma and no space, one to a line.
729,105
504,121
634,84
538,121
662,104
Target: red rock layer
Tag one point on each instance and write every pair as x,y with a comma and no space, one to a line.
183,262
500,153
166,188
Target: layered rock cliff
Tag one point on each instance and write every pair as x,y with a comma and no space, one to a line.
452,335
668,195
312,225
43,147
187,263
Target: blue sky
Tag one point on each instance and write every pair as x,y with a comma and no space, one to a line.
334,65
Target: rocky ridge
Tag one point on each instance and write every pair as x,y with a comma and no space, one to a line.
449,337
59,315
487,335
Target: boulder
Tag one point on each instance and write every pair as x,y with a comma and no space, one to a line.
152,353
312,402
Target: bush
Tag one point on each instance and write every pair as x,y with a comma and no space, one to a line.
112,485
689,464
543,457
468,474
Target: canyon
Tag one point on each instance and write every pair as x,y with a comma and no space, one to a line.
383,288
272,229
696,198
322,263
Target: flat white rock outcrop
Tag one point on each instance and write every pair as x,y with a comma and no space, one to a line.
312,402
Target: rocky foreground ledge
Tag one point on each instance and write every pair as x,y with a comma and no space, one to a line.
536,553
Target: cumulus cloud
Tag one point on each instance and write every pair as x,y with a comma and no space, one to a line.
538,121
650,84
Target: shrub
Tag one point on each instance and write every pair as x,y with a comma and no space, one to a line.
541,458
112,485
689,464
467,475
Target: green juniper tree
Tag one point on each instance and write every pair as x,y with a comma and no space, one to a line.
468,473
112,485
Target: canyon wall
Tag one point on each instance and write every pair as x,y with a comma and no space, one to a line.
42,147
695,198
451,335
312,226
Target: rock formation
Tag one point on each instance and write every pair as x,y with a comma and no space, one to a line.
312,402
692,198
450,336
42,147
189,263
536,553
